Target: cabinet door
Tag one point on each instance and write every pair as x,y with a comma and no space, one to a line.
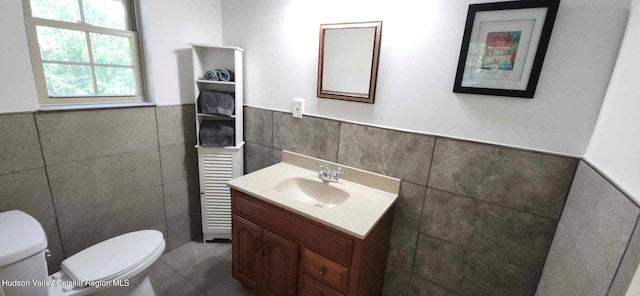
247,256
280,265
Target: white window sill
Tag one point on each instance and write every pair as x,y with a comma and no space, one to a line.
94,106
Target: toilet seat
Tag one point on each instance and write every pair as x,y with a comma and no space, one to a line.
115,257
81,265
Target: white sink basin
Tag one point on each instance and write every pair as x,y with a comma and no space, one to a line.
312,192
353,206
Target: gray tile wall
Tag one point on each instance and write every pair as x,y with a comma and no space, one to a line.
471,219
596,249
90,175
179,165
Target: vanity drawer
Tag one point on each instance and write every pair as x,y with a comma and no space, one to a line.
305,232
310,287
324,270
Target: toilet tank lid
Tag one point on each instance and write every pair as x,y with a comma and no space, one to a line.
20,236
113,257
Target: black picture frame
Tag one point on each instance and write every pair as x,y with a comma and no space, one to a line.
482,76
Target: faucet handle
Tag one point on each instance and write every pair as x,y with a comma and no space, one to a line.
339,171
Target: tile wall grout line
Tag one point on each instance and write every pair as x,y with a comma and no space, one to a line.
164,202
494,204
424,200
96,157
435,140
482,253
566,198
272,135
46,172
556,220
613,183
107,155
626,248
573,245
273,126
187,278
436,284
339,136
564,205
439,285
26,169
434,135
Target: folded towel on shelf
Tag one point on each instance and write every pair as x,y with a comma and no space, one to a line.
216,102
225,75
211,75
217,133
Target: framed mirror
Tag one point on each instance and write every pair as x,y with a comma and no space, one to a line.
348,61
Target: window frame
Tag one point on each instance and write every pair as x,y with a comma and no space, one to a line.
37,63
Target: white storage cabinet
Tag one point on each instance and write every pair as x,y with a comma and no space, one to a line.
217,165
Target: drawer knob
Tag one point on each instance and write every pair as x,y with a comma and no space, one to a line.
321,272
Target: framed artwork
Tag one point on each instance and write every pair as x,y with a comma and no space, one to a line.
503,47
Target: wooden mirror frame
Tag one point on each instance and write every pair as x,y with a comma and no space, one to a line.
374,61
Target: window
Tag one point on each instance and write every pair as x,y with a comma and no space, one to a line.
84,51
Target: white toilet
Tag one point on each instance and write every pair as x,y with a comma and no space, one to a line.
117,266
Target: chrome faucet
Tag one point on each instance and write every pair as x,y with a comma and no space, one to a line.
328,175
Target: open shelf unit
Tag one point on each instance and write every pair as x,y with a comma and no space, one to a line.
217,165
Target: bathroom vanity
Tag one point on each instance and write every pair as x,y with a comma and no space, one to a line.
294,234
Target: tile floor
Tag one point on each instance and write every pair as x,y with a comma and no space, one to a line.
196,269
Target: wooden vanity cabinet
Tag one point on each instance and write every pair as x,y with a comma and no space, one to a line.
262,260
278,252
246,253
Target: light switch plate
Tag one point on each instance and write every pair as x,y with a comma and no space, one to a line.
298,106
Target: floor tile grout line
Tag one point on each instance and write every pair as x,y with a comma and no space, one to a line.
184,276
53,203
178,272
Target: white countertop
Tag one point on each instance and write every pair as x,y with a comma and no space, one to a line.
355,216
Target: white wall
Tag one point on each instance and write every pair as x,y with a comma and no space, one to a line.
168,28
419,55
615,146
17,87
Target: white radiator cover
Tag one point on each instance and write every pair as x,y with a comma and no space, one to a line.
217,166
